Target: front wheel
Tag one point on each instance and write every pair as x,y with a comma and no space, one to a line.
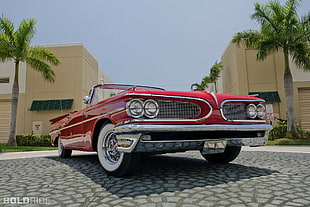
230,153
113,161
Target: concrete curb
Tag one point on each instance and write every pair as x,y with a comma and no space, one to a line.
49,153
280,148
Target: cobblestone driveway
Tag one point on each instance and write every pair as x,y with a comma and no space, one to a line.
253,179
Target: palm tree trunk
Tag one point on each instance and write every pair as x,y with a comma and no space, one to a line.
289,93
215,86
15,93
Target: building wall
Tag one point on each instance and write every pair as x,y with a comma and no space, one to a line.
229,76
7,71
243,74
76,74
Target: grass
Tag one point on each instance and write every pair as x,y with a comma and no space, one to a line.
289,142
4,148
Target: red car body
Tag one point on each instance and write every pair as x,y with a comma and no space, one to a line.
122,121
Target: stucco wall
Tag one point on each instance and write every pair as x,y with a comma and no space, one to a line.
76,74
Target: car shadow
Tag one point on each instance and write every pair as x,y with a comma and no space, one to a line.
162,173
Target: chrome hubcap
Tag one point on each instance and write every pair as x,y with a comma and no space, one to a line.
111,152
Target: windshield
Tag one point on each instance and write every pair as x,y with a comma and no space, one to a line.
101,92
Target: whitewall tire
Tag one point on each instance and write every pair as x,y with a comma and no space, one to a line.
114,162
62,152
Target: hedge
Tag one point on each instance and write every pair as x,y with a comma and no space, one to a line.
280,131
42,140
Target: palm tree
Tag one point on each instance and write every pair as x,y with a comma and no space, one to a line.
215,71
15,46
281,30
203,85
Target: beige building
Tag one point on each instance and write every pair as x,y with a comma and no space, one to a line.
40,101
244,75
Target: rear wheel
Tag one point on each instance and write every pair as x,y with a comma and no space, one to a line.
62,152
230,153
113,161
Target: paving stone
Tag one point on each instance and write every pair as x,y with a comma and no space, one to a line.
165,204
183,179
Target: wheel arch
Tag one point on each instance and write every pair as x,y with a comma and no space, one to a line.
54,136
97,129
55,143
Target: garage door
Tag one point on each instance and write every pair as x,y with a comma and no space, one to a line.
5,118
304,103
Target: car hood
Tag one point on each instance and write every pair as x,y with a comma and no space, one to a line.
214,99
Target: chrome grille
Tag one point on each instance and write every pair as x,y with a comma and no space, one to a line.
234,111
177,110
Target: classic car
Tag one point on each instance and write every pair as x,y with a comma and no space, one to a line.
123,122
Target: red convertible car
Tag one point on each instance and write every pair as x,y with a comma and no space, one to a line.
122,122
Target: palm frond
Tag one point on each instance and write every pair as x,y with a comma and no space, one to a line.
7,27
263,16
276,13
305,26
43,54
249,38
195,87
266,47
269,42
290,8
205,80
215,71
6,48
25,33
42,67
300,52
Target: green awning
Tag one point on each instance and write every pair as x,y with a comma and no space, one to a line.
49,105
269,97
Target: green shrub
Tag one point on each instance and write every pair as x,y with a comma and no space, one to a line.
42,140
280,131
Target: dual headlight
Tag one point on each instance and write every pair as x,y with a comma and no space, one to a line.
254,111
137,108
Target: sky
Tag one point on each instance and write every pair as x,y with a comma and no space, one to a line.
165,43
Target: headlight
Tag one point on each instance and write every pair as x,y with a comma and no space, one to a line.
151,108
261,111
251,111
135,108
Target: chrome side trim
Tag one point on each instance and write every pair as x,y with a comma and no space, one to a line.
240,100
93,118
214,97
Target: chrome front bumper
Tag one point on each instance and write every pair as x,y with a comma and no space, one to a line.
130,136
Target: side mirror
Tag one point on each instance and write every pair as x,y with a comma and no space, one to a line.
86,100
